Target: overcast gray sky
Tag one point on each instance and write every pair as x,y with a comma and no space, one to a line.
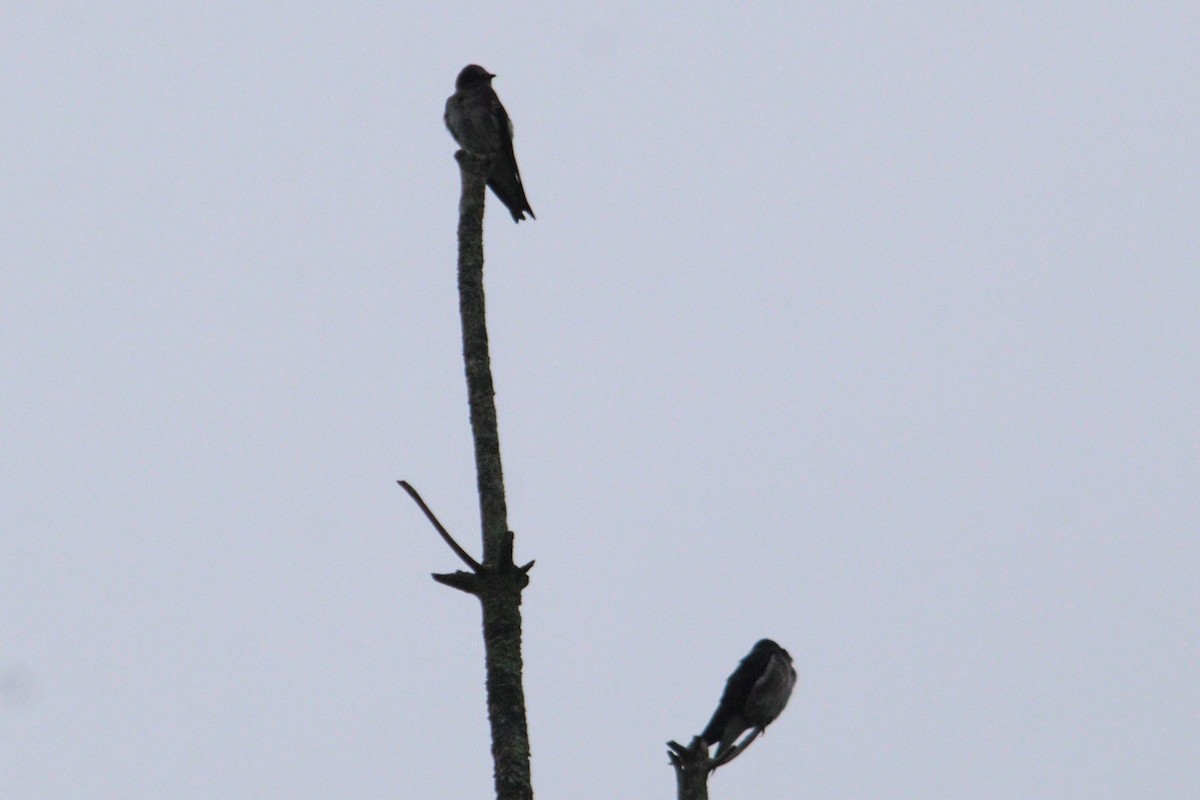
871,331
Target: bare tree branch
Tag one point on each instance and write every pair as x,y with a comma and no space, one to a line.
463,554
499,583
493,509
692,767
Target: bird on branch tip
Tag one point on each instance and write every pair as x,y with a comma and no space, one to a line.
478,122
755,694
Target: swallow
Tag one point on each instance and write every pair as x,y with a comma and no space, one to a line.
754,696
478,122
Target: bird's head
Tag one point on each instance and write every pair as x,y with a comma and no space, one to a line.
471,76
769,646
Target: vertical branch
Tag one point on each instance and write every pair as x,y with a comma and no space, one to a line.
692,767
500,582
493,511
505,692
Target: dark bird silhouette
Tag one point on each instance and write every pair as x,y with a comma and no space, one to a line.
755,694
480,125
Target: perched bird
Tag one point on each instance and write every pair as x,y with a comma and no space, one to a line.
480,125
755,694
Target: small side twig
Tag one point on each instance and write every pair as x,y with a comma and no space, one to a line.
463,554
463,581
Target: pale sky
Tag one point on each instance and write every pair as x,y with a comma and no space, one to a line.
874,332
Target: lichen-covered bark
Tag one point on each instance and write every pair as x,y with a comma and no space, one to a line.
506,695
493,511
499,582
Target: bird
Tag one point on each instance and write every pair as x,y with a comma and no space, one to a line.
478,122
755,694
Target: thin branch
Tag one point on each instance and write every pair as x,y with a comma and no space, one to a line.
463,554
481,390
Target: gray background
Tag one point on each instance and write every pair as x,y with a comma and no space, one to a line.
870,330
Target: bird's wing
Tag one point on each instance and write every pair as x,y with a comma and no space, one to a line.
741,683
505,179
771,691
504,128
504,125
